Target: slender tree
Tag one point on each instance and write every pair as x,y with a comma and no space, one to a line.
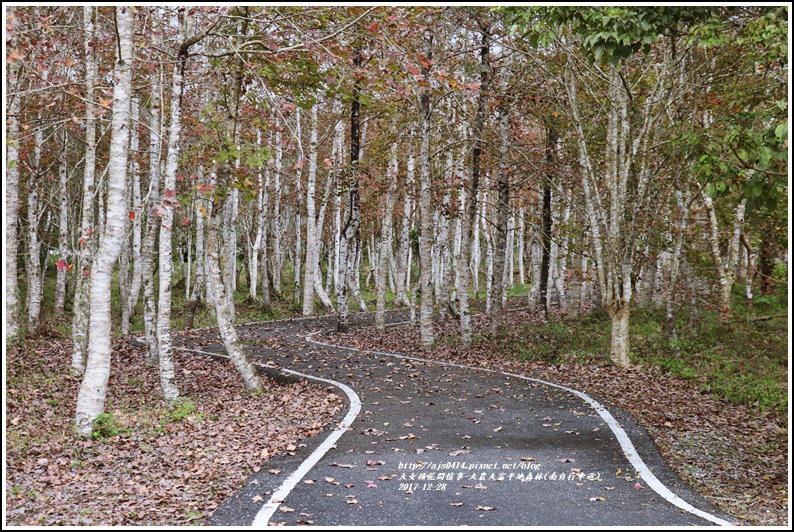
91,398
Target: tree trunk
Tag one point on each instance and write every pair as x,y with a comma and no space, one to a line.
166,210
86,243
312,245
350,234
150,234
551,145
63,227
222,293
91,397
12,181
403,266
33,259
278,252
137,267
425,205
725,266
298,260
385,240
502,215
619,351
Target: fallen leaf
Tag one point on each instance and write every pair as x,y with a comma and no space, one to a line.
456,504
286,509
527,459
638,486
485,508
497,429
256,498
594,499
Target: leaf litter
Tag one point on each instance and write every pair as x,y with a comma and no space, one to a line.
732,455
160,467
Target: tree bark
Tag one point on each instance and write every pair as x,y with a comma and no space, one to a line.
33,258
725,266
150,234
91,397
425,204
166,209
386,240
63,226
350,234
86,243
467,240
312,245
502,215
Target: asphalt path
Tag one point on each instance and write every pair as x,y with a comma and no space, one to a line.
430,444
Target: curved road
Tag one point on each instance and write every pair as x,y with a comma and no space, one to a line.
432,444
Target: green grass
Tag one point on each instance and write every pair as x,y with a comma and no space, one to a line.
742,360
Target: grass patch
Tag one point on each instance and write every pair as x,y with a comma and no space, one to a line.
742,360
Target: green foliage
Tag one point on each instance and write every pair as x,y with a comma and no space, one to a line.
743,361
183,409
608,34
104,426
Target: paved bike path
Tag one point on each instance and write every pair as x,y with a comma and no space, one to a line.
438,445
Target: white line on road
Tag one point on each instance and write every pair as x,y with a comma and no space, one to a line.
623,438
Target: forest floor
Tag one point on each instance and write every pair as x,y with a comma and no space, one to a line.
155,465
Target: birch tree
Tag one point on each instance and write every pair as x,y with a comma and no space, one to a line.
502,214
221,289
385,240
425,199
86,243
91,397
472,191
12,180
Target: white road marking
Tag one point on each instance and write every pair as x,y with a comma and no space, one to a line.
623,438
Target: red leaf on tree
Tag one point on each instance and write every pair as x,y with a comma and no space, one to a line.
87,273
170,193
132,215
185,221
70,268
82,241
61,265
204,188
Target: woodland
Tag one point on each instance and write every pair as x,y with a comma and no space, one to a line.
620,174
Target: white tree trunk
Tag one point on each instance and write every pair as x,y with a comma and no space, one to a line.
386,238
33,259
63,227
245,368
426,208
86,243
91,397
502,215
132,280
166,359
278,252
403,266
312,244
297,261
726,266
12,202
